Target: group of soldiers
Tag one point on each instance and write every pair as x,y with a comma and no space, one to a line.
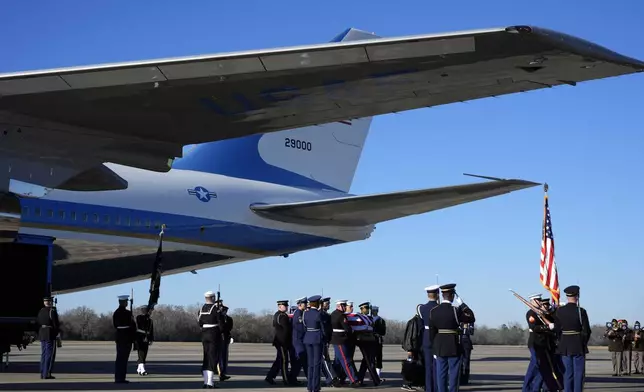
622,343
303,339
438,343
558,344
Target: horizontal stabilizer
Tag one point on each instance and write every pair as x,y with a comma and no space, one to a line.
372,209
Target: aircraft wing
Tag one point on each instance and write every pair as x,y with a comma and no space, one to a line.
141,113
372,209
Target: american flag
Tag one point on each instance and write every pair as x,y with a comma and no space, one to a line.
548,267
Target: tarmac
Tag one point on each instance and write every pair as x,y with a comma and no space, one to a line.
88,366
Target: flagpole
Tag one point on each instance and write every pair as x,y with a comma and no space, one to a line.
543,234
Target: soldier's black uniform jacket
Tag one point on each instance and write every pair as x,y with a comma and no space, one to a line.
569,320
325,319
444,324
615,343
539,332
379,326
208,316
228,328
283,330
124,325
145,327
49,326
341,331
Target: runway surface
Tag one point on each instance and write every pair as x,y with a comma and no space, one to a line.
82,366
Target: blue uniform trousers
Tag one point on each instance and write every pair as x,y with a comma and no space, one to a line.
345,362
223,358
122,356
532,380
448,371
314,357
430,369
279,364
575,372
47,353
298,361
327,368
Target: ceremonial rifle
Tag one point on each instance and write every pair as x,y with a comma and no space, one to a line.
539,312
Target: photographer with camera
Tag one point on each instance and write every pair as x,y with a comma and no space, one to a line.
614,333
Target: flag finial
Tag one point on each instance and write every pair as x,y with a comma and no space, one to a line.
545,187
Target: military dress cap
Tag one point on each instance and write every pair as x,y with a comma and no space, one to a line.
572,291
208,294
283,302
433,288
349,303
326,299
364,304
124,297
302,300
315,298
374,308
446,288
341,302
535,296
545,300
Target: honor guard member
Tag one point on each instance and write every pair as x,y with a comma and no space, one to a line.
47,333
210,322
467,329
572,321
532,380
615,346
427,354
351,344
313,340
444,322
327,367
225,344
341,335
366,341
144,338
380,328
125,335
638,348
298,351
282,342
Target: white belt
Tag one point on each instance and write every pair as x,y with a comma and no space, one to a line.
338,330
126,327
312,329
209,326
141,331
530,330
426,327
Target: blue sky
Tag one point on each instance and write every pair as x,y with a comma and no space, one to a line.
585,141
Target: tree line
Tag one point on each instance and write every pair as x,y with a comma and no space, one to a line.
179,324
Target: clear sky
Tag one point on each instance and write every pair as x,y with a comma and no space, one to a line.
585,141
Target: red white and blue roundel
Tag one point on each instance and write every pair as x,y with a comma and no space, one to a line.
202,194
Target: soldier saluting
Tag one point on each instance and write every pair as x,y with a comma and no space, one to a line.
125,330
572,321
49,330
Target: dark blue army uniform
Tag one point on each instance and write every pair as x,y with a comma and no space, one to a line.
210,321
341,335
313,340
47,333
125,337
466,342
367,343
444,324
572,323
225,346
428,356
298,351
327,368
282,342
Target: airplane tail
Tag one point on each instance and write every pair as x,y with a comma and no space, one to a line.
322,156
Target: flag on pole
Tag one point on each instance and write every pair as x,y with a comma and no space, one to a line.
155,279
548,267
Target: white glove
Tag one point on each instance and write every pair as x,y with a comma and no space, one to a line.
231,340
458,301
551,326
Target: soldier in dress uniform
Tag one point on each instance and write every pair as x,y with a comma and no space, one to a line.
366,341
572,321
428,356
444,323
282,342
125,335
47,333
313,340
351,344
638,348
225,344
341,336
144,338
615,346
210,321
380,328
327,367
298,351
628,349
532,380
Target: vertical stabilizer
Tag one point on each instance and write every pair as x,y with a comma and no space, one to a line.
323,156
